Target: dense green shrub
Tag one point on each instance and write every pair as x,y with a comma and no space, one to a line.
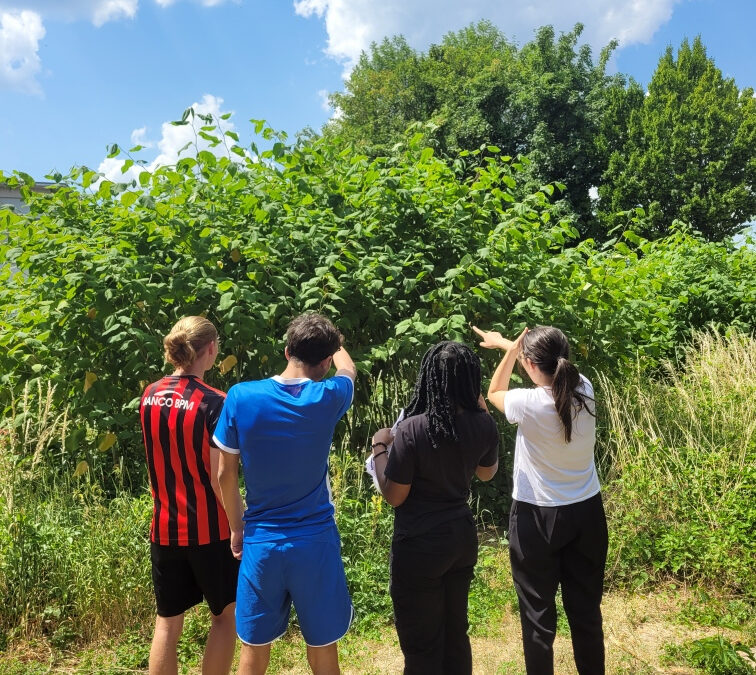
401,250
73,565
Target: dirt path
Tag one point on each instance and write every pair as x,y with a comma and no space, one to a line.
637,629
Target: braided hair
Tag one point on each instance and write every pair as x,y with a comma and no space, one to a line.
449,378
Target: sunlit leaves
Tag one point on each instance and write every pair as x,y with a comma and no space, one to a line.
81,468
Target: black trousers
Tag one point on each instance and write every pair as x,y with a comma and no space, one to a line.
430,581
566,545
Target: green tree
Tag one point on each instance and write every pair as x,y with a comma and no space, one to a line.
385,97
547,99
690,150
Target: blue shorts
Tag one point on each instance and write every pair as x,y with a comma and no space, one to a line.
307,571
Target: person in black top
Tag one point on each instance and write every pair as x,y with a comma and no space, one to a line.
424,472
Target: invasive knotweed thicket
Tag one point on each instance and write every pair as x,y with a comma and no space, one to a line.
681,484
400,250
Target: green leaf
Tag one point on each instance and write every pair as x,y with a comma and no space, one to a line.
128,198
226,302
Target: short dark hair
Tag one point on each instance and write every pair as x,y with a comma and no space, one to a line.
311,338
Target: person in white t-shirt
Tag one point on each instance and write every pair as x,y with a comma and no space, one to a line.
557,527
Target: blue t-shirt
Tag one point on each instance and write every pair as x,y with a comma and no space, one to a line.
283,429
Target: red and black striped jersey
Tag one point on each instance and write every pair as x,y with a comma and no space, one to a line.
179,414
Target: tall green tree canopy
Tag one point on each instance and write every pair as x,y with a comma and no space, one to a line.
547,99
690,152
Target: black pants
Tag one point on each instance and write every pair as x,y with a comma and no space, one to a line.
566,545
430,581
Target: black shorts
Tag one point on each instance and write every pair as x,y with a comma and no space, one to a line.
183,575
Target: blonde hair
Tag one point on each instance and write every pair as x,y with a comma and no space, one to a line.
188,336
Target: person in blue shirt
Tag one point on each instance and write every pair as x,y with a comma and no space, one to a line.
281,429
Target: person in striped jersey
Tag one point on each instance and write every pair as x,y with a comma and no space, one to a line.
190,551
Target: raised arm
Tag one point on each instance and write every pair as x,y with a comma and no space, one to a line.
344,364
500,379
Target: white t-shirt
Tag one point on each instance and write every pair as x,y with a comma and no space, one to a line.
548,471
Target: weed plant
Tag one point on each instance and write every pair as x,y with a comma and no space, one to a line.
712,655
681,483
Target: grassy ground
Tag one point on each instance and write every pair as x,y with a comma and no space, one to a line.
640,631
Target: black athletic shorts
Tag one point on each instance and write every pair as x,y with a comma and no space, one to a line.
183,575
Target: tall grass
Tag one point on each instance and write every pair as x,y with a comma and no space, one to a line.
74,563
365,524
681,474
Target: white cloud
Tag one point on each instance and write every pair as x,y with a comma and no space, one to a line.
176,137
204,3
111,168
96,11
353,24
138,137
172,140
109,10
20,33
324,104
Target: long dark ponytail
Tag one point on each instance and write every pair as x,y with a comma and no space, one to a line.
449,378
547,347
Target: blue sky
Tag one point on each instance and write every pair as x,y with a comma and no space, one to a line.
77,75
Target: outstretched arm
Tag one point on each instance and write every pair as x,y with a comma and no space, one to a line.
500,379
